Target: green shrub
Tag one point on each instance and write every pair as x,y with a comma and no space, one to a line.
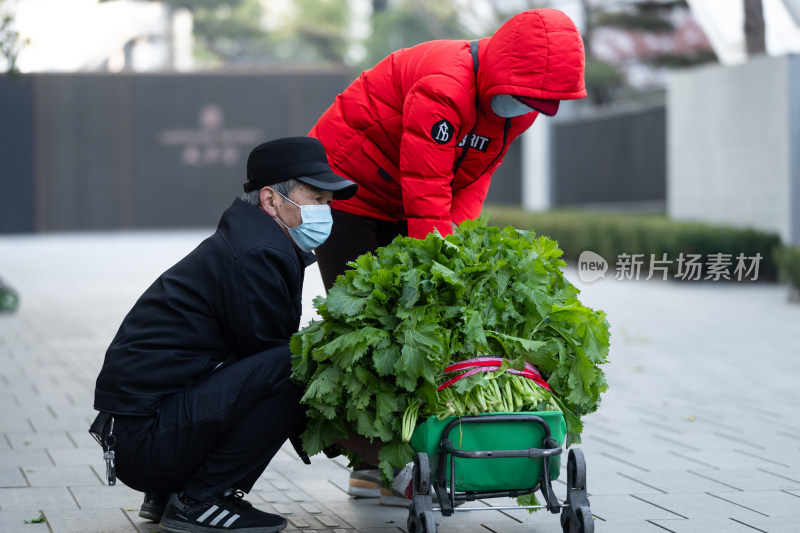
613,234
788,261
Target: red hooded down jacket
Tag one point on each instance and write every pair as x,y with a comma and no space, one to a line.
399,129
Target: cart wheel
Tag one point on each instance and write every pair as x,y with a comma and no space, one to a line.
428,522
576,469
421,523
420,511
580,522
585,520
411,523
575,514
422,473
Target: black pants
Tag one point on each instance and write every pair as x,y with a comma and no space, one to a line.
350,237
220,434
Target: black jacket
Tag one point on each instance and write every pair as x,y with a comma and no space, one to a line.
236,294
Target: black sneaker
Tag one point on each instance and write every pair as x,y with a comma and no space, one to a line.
226,513
153,506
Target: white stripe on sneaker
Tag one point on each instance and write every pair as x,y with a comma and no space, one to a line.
219,517
207,514
230,521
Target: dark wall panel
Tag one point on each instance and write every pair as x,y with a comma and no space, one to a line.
611,158
190,139
192,134
81,130
17,178
149,151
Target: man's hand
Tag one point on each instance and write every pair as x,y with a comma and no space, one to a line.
297,444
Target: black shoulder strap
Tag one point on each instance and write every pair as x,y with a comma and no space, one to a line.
473,48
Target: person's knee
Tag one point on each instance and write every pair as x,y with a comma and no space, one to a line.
270,367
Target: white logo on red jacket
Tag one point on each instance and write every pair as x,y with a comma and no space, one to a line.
442,132
478,142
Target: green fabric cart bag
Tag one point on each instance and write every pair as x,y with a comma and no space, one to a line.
487,474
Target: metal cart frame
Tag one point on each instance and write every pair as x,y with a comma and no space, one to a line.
576,517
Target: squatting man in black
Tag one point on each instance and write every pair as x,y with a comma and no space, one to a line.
194,393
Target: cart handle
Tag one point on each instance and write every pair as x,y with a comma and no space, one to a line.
448,445
485,454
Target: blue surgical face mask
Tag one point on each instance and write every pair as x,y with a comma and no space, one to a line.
315,226
506,106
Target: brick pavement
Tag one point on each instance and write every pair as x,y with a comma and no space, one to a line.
699,432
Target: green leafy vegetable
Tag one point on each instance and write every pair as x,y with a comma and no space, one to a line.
484,392
398,317
39,520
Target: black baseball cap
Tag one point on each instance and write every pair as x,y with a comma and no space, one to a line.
300,158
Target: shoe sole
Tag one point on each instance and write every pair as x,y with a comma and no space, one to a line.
170,526
391,500
360,492
151,512
362,488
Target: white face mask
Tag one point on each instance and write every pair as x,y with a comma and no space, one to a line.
506,106
315,227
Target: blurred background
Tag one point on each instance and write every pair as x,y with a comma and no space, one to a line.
127,114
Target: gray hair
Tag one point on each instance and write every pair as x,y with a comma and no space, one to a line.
284,187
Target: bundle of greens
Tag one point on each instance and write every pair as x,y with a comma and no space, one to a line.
498,389
399,317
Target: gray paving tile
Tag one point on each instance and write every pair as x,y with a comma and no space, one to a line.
82,439
782,456
387,529
69,475
747,479
11,476
626,526
700,505
723,459
64,422
367,513
14,521
615,482
688,481
792,475
100,496
766,502
646,460
612,508
500,521
76,456
36,498
776,524
30,440
25,458
14,424
705,525
90,521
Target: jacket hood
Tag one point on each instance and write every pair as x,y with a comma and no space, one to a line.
537,53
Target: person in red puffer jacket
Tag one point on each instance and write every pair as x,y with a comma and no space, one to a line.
422,132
